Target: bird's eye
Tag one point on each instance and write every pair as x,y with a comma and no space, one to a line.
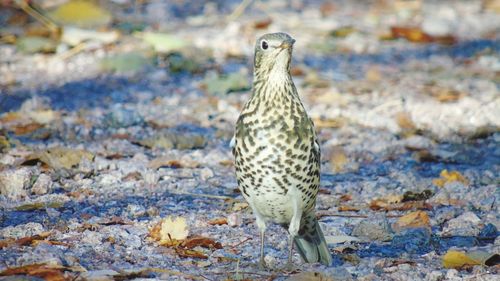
264,45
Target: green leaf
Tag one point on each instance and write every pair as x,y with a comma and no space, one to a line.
35,44
162,42
125,62
81,13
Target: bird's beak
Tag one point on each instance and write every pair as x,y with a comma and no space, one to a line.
287,44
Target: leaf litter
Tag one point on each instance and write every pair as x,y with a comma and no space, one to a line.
404,111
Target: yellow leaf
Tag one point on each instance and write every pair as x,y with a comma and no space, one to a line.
81,13
447,177
411,220
173,229
456,259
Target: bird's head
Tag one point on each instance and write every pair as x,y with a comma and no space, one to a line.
273,52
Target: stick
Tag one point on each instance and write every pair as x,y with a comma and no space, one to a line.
239,10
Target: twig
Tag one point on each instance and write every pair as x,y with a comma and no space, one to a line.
241,242
221,197
38,16
73,51
163,270
239,10
250,273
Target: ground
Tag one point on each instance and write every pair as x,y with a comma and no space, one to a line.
109,147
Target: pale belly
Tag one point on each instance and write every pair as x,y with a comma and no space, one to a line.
273,179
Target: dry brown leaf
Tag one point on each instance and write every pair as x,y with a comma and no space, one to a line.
448,177
412,220
328,123
172,163
327,8
338,160
46,271
443,94
61,157
405,121
187,253
238,206
218,221
373,74
262,24
24,129
115,220
201,241
345,197
346,208
381,205
417,35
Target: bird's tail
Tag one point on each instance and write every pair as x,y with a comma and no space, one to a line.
310,241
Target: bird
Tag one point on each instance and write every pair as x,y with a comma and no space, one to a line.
277,154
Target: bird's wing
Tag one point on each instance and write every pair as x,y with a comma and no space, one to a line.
232,143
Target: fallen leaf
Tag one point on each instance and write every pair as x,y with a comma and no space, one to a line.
443,94
224,84
25,129
345,197
165,161
238,206
327,8
328,122
40,205
35,44
412,220
61,157
346,208
382,205
262,24
162,42
338,160
343,32
81,13
187,253
132,61
448,177
218,221
46,271
74,36
417,196
315,80
456,259
404,121
373,74
417,35
170,231
201,241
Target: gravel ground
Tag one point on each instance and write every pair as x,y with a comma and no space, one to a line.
92,160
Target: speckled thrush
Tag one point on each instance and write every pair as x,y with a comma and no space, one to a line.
277,156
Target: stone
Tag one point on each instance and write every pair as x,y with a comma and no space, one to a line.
373,229
467,224
42,185
15,182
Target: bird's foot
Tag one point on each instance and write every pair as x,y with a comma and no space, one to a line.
262,265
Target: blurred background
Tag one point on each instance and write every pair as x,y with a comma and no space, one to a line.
124,110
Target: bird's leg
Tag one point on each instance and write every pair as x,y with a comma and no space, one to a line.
293,228
261,224
262,263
